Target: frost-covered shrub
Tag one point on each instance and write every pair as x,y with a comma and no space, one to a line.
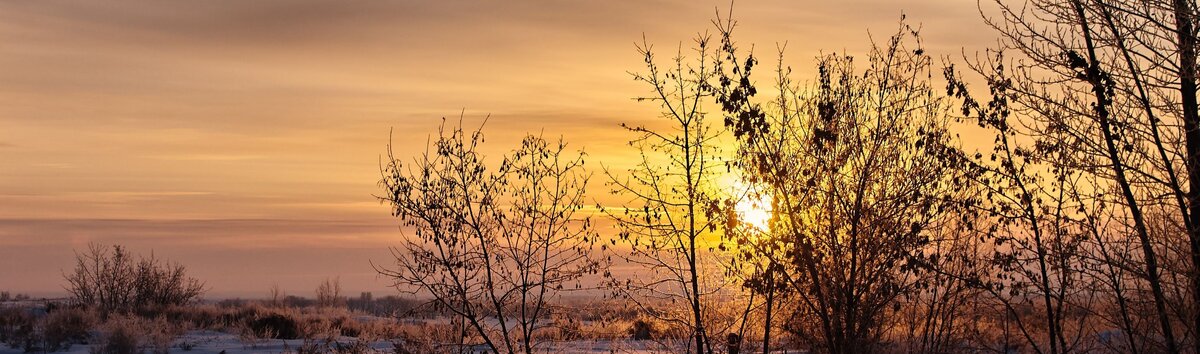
275,326
118,337
129,335
16,327
66,326
643,330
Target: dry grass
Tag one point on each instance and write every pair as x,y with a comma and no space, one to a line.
135,334
34,330
321,329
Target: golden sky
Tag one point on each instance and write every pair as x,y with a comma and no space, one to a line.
243,138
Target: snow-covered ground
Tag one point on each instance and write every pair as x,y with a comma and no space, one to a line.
201,342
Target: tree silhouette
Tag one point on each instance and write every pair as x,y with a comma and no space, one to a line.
1106,91
492,246
862,174
670,222
116,282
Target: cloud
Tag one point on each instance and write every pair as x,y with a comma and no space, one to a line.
207,157
206,233
234,256
218,129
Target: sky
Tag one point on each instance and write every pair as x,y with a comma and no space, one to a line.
243,138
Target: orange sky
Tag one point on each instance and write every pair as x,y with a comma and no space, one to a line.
242,138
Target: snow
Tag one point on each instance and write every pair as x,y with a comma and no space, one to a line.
205,341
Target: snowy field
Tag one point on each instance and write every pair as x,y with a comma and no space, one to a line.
202,342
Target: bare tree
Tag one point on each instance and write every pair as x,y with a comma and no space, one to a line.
1110,88
114,281
1032,227
862,173
276,295
329,293
671,219
493,245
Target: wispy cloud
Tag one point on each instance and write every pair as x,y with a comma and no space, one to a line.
213,128
206,157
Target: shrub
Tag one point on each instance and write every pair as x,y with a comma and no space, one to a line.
312,347
351,328
23,328
66,326
16,327
113,281
136,334
643,330
251,338
411,347
358,346
119,337
187,345
426,337
379,328
275,326
319,329
195,316
159,335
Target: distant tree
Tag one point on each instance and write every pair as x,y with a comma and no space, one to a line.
365,303
329,293
114,281
491,244
297,301
276,295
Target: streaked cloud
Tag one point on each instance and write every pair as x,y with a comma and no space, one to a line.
212,130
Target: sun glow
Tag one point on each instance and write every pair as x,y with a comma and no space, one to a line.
754,209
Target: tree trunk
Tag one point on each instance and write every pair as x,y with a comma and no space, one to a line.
1191,126
1099,89
770,301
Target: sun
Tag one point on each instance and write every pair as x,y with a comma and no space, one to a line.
752,209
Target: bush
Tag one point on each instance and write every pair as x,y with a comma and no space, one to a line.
159,334
122,335
275,326
351,328
66,326
316,328
113,281
23,328
118,338
643,330
358,346
196,316
16,327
